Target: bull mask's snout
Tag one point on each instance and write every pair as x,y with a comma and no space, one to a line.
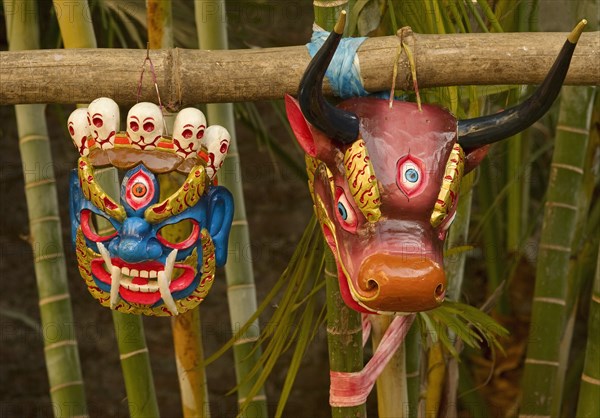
401,283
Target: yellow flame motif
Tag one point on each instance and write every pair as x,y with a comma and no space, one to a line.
362,181
185,197
95,194
450,186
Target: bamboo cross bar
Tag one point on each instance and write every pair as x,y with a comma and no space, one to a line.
193,76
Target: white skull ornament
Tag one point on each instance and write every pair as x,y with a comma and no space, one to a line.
216,139
103,119
79,130
145,125
188,131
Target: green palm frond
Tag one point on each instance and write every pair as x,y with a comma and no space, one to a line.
296,318
467,322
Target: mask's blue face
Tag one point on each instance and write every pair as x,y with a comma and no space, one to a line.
155,258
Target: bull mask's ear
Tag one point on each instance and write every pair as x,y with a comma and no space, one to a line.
220,216
475,157
314,142
300,126
75,199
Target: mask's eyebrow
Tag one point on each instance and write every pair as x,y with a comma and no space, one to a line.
95,194
362,180
450,185
185,197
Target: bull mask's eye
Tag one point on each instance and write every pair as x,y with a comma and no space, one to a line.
345,212
342,211
410,175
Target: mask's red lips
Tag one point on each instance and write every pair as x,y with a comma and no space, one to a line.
139,280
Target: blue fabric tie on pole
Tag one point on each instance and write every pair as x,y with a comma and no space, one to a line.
343,73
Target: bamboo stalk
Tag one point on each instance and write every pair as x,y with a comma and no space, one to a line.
436,374
541,374
186,327
344,325
588,403
583,252
192,76
392,389
135,363
455,271
60,348
344,336
413,369
241,291
487,189
129,331
189,355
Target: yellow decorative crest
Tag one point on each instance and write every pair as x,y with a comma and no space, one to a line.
311,166
362,181
186,196
95,194
450,186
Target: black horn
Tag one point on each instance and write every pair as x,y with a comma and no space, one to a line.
338,124
473,133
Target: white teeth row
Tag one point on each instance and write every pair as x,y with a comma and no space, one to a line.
163,278
144,288
146,274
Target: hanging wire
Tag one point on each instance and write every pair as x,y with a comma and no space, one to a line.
139,89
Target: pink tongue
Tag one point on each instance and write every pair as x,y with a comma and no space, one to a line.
139,280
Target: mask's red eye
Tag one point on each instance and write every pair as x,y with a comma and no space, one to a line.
134,126
410,176
200,133
187,134
148,126
139,190
223,147
344,211
91,231
71,130
178,240
98,122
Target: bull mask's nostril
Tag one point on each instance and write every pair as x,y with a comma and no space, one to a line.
372,285
368,288
440,293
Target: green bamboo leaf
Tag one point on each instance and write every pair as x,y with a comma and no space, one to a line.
369,18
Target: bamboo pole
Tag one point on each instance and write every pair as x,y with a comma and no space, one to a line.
193,76
186,327
344,325
541,373
392,388
67,392
77,32
241,292
344,336
589,392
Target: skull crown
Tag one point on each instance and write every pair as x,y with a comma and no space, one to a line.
96,128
